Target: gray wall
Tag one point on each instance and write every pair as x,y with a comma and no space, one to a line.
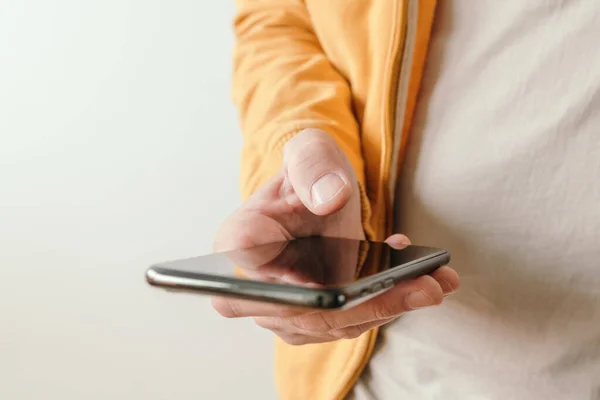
118,148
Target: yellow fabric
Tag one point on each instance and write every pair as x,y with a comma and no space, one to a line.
331,65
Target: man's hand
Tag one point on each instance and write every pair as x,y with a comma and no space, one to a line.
316,193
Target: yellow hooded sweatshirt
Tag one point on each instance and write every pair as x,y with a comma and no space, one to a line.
351,68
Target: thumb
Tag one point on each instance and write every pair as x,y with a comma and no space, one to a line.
318,171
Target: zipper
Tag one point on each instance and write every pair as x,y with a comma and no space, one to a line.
388,128
393,126
397,106
401,54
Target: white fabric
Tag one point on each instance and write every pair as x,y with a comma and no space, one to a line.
503,169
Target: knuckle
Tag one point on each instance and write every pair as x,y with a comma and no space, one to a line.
309,146
239,240
299,322
327,322
350,332
309,161
382,310
239,230
318,322
233,234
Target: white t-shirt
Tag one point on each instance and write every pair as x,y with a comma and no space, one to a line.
503,169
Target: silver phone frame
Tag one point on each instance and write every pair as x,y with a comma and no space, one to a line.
331,297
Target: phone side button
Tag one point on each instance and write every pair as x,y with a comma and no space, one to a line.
365,292
377,287
388,283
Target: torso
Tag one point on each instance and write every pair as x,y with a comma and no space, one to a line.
503,169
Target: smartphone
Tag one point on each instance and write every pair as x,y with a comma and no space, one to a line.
312,272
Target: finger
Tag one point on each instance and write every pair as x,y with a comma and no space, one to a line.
318,171
230,307
422,292
295,339
398,241
447,278
354,331
349,332
238,231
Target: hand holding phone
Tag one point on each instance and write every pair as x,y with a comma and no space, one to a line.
306,290
315,192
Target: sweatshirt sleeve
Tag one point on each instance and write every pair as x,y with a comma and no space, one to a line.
283,83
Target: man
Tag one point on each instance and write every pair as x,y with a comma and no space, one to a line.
502,168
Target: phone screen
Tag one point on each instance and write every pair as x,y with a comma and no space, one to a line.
318,260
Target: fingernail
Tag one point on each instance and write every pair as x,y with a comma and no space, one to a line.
326,188
405,241
417,300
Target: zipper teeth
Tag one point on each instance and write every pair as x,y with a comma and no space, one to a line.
412,14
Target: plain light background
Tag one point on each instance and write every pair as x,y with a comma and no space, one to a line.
119,147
